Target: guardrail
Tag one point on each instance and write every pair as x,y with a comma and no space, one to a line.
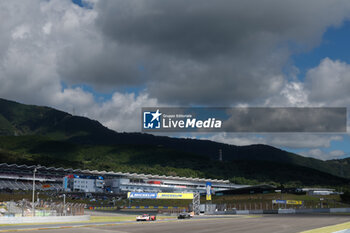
49,219
154,207
135,207
283,211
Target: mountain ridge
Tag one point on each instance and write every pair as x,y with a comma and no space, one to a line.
53,125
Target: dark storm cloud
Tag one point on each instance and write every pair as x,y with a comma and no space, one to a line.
108,66
202,28
185,28
199,51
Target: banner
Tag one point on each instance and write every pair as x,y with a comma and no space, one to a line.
138,195
175,196
279,202
65,183
208,191
288,202
293,202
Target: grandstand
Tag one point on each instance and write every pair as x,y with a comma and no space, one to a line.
20,185
20,177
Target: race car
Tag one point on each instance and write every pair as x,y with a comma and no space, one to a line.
146,217
184,215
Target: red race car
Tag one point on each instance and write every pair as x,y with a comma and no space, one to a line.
146,217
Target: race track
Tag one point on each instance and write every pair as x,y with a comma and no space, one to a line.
261,224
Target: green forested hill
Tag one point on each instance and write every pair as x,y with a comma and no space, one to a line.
42,135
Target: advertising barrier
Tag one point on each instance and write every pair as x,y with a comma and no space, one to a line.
137,195
288,202
293,202
279,202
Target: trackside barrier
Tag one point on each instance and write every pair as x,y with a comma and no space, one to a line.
339,210
284,211
304,211
270,211
154,207
48,219
309,211
256,212
102,208
321,210
220,212
226,212
242,212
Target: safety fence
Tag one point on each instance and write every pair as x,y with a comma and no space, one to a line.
159,209
24,208
269,205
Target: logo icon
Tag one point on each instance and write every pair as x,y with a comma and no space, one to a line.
151,120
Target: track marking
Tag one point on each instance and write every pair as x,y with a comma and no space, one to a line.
330,229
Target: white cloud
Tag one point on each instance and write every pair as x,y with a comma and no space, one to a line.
320,154
21,32
294,140
47,28
123,111
234,139
303,140
293,94
329,83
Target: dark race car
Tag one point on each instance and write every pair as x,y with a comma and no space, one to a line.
184,215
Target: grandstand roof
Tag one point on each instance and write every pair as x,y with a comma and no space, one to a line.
95,172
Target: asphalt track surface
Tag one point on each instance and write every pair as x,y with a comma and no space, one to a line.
261,224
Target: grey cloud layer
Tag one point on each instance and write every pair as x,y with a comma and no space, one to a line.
286,120
198,52
293,140
181,52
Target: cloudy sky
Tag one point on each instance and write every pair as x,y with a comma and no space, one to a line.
107,59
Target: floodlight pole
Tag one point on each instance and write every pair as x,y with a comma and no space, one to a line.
33,207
